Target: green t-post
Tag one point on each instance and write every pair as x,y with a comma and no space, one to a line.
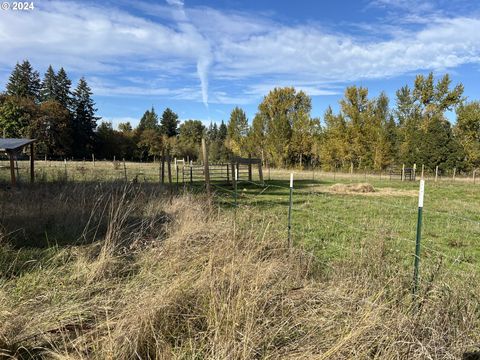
290,212
419,236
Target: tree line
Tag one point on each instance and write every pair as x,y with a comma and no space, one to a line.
366,132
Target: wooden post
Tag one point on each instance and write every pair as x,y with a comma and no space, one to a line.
260,172
228,174
414,171
454,173
403,172
176,171
32,163
205,162
163,167
93,159
436,173
249,167
423,169
169,168
183,175
351,170
12,169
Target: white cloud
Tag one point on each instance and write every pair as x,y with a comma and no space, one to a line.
184,46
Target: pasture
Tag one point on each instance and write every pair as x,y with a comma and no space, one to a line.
93,266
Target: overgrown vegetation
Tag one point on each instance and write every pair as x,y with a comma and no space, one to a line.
158,277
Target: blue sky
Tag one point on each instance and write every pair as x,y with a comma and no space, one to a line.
202,58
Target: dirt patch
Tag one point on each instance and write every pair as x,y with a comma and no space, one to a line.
355,188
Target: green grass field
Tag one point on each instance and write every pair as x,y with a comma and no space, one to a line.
332,223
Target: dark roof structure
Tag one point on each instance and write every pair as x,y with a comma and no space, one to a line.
12,147
14,144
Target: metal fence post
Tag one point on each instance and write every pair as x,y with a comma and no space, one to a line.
290,212
419,236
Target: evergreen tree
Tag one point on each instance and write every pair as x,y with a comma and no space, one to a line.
16,116
149,121
48,90
84,120
169,123
63,89
147,135
222,131
24,82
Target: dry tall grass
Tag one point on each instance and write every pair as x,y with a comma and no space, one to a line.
179,280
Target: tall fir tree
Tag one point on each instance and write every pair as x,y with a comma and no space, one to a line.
84,120
149,121
24,82
63,89
169,123
48,89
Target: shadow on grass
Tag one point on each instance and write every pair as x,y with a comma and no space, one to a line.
71,213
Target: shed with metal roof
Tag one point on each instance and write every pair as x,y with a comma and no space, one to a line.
12,147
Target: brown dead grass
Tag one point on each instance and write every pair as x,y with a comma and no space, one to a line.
353,188
209,287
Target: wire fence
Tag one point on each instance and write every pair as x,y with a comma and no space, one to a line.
330,221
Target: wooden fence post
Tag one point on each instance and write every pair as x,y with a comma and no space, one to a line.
249,167
93,159
436,173
32,163
205,161
169,168
454,173
163,167
176,171
12,169
260,172
403,172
